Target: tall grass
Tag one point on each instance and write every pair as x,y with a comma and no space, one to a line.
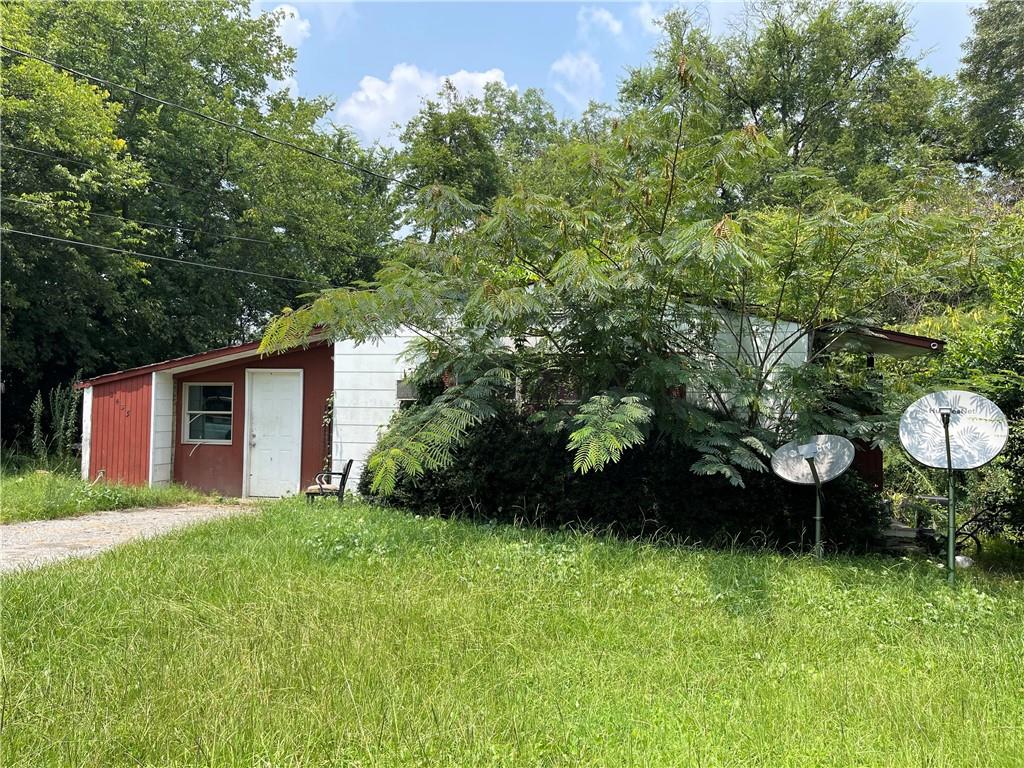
45,495
319,636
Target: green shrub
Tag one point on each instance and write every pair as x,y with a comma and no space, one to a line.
54,429
39,448
1001,492
509,469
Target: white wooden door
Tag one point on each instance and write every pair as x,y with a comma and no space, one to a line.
275,432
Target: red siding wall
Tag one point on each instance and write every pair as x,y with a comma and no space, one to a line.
120,430
867,462
220,467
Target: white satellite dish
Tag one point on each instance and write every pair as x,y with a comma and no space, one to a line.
832,456
953,430
977,430
814,462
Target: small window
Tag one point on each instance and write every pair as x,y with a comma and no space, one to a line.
207,413
405,391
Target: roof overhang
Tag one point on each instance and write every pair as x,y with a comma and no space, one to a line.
876,341
191,362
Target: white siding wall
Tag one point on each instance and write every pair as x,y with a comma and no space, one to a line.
786,345
161,438
86,430
366,380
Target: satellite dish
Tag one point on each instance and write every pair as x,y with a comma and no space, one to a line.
817,461
977,430
832,456
953,430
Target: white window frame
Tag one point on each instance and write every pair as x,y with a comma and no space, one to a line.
185,439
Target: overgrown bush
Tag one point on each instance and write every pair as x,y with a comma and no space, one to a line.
55,429
509,469
1000,489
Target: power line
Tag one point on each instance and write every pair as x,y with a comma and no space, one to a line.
171,227
157,258
82,163
211,118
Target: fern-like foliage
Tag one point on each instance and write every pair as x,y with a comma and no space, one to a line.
425,438
606,426
725,449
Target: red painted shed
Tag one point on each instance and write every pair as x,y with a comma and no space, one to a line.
240,423
204,420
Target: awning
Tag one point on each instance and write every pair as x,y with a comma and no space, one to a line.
875,341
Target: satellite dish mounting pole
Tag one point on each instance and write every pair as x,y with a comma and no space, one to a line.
977,436
946,413
817,508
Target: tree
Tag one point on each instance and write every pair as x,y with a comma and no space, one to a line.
209,194
993,77
63,307
448,143
985,353
831,84
596,311
475,146
522,126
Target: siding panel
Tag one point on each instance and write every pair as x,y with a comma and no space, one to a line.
119,445
163,428
365,395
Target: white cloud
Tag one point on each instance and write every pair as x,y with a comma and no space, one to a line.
588,18
577,77
648,16
292,28
375,107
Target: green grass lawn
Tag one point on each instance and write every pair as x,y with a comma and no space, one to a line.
359,637
36,495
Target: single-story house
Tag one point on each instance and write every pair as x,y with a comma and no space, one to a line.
244,424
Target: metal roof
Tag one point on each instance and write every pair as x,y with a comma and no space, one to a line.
187,363
878,341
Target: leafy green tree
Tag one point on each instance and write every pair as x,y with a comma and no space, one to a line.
209,194
474,146
63,307
831,84
993,77
984,353
448,143
645,307
522,126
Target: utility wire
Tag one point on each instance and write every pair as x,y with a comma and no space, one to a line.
82,163
157,258
211,118
171,227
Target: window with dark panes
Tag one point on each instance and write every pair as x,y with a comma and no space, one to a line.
208,413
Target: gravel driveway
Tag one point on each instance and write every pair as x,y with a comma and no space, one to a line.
35,543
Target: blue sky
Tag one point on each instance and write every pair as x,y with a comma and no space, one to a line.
378,60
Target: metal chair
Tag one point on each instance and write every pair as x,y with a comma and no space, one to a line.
323,486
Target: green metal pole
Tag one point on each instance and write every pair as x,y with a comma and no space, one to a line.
817,510
951,511
817,523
